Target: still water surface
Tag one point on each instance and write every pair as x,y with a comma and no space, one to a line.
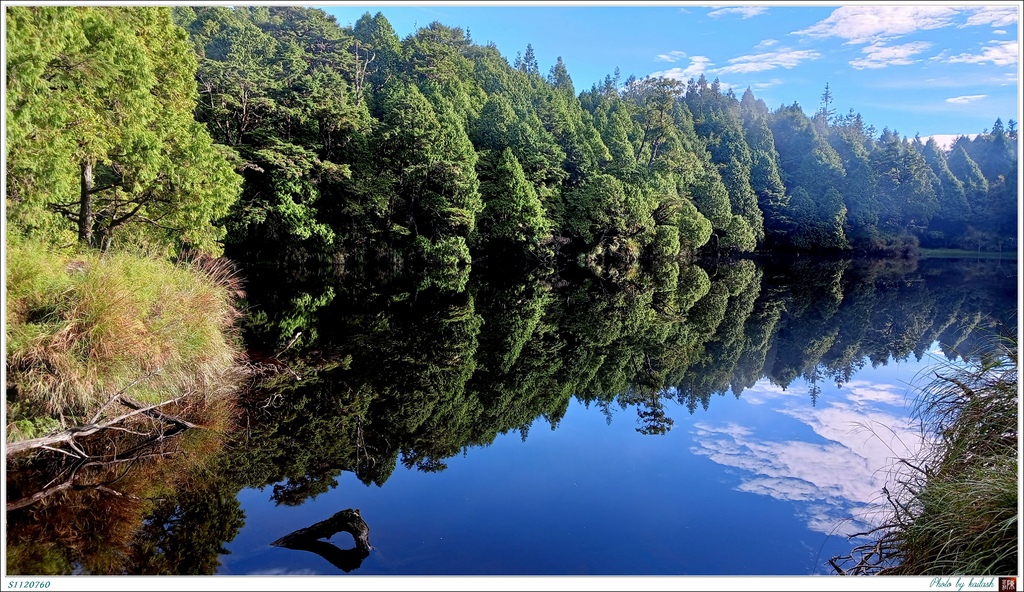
767,482
739,418
753,485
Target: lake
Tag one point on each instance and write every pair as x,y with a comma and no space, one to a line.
728,418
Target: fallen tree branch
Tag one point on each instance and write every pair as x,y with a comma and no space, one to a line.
69,435
155,413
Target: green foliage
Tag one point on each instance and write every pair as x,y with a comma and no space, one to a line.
694,229
765,178
738,235
818,223
445,262
953,209
500,126
429,163
859,186
434,56
596,208
666,242
356,146
905,192
25,422
717,121
354,143
101,130
604,210
512,212
814,176
377,52
652,102
711,197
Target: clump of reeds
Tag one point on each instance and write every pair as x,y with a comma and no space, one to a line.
954,510
84,326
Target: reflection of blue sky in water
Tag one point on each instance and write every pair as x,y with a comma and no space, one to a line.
838,472
751,486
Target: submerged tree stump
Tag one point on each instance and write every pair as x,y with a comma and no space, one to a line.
308,539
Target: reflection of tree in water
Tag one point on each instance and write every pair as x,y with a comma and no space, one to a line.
186,534
418,377
388,374
159,510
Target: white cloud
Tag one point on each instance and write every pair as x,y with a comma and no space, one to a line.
945,141
971,80
882,56
868,432
825,519
1010,78
782,488
965,99
998,32
997,16
698,65
1000,53
672,56
830,475
766,44
744,11
281,571
768,61
872,23
732,429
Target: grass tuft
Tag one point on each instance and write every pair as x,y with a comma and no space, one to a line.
954,510
82,327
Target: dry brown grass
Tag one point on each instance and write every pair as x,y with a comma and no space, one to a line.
81,328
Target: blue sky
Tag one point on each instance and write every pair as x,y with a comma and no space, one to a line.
925,68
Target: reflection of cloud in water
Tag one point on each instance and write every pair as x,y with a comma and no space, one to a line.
764,391
837,479
865,392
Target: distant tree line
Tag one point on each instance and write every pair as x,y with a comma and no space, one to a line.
352,144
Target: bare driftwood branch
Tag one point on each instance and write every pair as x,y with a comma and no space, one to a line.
875,558
69,435
155,413
308,539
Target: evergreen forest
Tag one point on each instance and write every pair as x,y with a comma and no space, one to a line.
275,134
